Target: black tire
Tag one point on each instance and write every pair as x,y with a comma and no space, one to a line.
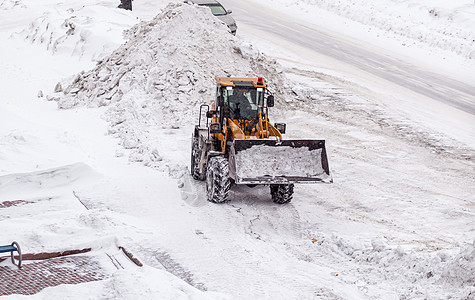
281,193
195,160
217,180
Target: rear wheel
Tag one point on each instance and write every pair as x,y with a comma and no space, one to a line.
281,193
217,180
195,160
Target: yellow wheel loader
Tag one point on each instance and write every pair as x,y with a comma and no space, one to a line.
235,143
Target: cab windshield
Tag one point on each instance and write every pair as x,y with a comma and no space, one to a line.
243,102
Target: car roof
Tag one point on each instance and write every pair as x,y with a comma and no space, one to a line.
205,2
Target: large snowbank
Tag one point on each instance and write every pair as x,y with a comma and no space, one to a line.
162,74
177,53
447,25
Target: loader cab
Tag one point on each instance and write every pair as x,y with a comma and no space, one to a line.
240,98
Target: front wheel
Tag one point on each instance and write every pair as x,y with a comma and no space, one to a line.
195,160
281,193
217,180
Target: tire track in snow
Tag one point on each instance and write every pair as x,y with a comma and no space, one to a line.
270,237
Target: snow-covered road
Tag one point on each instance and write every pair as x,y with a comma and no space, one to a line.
435,86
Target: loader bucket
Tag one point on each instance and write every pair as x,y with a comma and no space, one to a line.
268,161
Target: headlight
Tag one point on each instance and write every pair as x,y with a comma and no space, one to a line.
281,127
215,128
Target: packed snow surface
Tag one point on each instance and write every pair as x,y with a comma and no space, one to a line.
397,223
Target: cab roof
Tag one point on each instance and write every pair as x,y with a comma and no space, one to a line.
200,2
233,81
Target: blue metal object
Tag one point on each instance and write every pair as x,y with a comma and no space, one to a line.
8,248
12,248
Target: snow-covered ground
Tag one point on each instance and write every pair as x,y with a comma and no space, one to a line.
101,158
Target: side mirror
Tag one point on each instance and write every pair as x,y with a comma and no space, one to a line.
270,101
210,113
220,100
280,127
215,128
229,11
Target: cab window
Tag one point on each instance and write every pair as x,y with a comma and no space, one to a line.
243,103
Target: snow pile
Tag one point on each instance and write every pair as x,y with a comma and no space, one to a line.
460,271
160,77
419,274
87,32
439,24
